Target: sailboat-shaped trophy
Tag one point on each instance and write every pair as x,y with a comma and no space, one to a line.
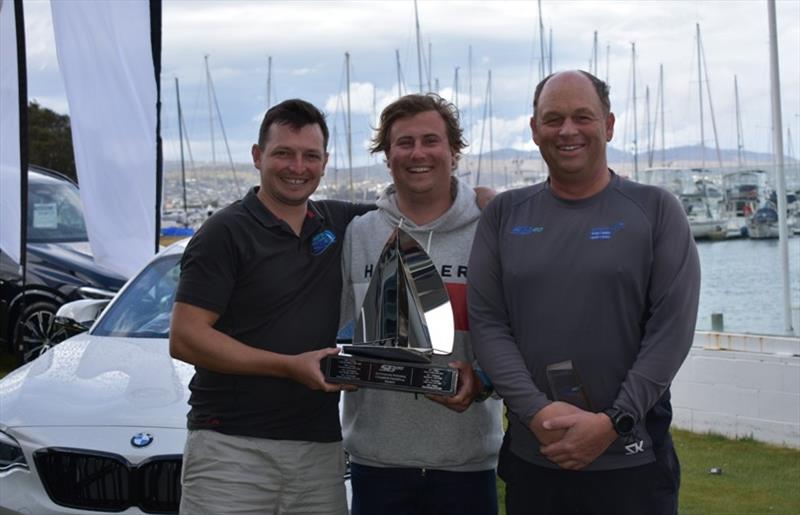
404,321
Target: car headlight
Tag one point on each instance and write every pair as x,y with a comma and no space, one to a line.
11,455
88,292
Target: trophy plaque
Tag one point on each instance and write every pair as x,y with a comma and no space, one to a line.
404,321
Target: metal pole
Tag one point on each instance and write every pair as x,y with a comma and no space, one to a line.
647,126
469,94
399,74
739,135
455,86
635,133
349,130
780,179
430,66
269,82
541,44
210,113
419,46
491,134
663,120
700,91
183,167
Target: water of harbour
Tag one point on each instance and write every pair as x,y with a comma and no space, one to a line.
742,280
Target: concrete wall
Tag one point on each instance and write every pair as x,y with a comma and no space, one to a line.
740,385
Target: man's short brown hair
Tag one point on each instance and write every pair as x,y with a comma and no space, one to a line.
410,105
295,113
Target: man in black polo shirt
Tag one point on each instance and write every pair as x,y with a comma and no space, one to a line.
256,310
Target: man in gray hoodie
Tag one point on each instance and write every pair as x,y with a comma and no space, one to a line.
421,454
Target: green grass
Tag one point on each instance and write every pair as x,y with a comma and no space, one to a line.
756,478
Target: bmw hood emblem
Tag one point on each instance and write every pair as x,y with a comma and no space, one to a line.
141,440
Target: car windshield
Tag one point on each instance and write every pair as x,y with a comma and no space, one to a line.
144,309
55,213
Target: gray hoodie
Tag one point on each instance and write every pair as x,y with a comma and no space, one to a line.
396,429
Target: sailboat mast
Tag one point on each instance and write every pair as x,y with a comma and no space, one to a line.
711,104
647,126
739,135
183,167
455,86
430,67
419,46
541,44
491,133
210,112
224,136
663,120
335,159
780,179
269,82
349,131
594,55
635,134
469,93
399,74
700,92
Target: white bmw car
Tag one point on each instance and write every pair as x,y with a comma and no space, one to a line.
98,422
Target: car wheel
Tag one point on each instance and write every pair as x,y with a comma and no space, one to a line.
38,331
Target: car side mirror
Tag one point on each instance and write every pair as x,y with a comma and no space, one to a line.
78,316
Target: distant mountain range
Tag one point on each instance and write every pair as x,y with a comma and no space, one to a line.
674,154
679,155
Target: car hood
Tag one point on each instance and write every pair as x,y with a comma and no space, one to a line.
99,381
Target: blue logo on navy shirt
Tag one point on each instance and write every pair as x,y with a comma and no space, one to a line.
605,233
322,241
524,230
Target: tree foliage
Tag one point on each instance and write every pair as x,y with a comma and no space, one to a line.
50,140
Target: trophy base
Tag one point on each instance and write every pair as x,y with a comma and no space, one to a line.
389,352
390,375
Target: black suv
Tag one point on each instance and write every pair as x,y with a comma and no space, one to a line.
60,265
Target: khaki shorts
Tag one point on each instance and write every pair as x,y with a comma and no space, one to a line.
225,474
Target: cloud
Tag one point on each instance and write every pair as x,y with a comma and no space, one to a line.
307,41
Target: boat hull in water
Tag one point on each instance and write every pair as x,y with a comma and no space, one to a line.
763,224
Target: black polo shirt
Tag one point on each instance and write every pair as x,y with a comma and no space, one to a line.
273,290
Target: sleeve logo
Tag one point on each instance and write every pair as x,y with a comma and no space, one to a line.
321,242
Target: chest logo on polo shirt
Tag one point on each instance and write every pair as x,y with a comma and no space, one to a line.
525,230
606,233
321,242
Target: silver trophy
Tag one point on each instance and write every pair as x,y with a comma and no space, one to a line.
404,321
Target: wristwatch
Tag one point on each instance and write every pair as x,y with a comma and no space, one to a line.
622,421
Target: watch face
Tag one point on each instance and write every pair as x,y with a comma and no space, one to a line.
624,423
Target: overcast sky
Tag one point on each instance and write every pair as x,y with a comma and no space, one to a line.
307,41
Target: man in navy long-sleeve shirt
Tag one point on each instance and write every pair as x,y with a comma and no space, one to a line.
598,277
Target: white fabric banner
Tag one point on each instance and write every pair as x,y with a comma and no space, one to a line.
104,53
9,134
